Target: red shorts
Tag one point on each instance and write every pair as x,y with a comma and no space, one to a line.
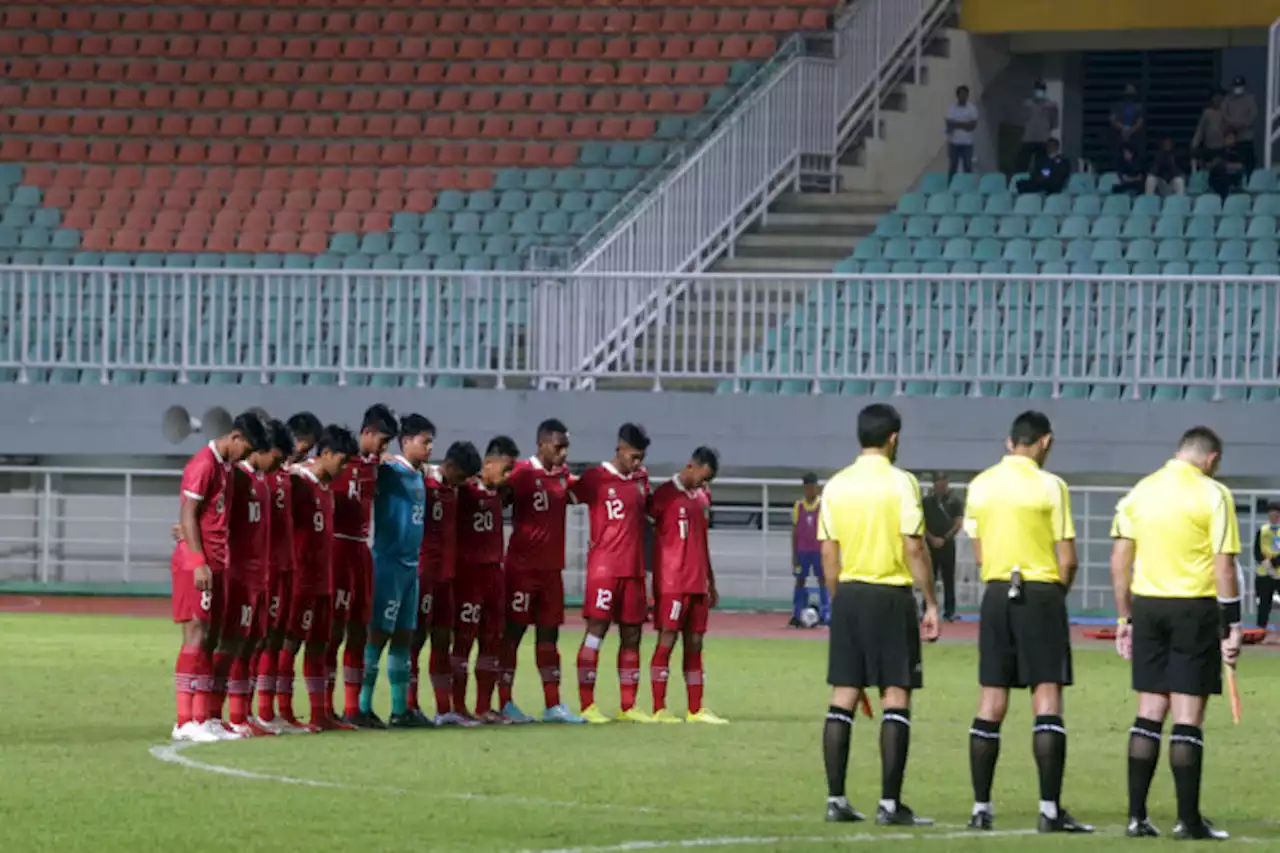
279,594
436,606
477,593
242,613
192,605
310,617
353,581
683,612
535,598
620,600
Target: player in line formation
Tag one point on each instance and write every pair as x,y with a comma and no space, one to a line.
1177,593
274,558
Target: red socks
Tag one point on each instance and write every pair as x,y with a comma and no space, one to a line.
352,676
659,673
548,658
441,678
218,694
693,679
313,673
628,677
459,662
588,663
239,690
202,684
184,683
507,672
284,684
267,685
486,676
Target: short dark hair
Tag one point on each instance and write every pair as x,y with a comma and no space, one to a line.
281,438
810,479
633,435
379,418
551,426
1201,438
1028,428
336,439
413,424
253,429
501,445
876,423
305,426
961,88
464,455
707,456
1273,505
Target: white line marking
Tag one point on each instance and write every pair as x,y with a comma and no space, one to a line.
774,840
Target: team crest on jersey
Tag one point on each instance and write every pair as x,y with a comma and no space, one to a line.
537,484
612,492
220,504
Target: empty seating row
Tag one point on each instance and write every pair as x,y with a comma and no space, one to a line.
1054,249
1042,225
1063,269
304,47
467,4
1080,183
396,22
1087,205
336,100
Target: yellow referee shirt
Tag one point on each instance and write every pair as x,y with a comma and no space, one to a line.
1019,512
867,508
1178,519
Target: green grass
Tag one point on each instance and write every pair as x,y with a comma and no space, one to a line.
82,699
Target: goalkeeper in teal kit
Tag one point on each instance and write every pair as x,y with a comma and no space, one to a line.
399,508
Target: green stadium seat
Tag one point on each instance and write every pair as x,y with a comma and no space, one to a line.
450,263
1013,226
1105,228
416,262
1263,250
1202,250
1199,227
297,261
1237,205
24,257
1116,205
375,243
357,261
344,243
496,222
438,243
544,201
920,226
508,179
1043,226
1061,205
1082,184
35,238
1141,250
327,261
117,260
624,180
481,201
436,222
513,201
649,155
79,259
980,227
1171,250
16,217
450,201
1136,226
992,183
1170,227
27,196
465,223
1017,250
10,174
1148,205
1233,250
1000,205
386,261
939,204
1176,205
910,204
406,222
540,179
604,201
933,183
670,128
1074,227
620,154
970,204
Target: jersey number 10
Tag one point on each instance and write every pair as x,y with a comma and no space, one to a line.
255,512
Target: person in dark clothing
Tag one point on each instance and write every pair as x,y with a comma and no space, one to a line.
1226,170
1132,177
1266,554
943,516
1166,175
1128,126
1053,174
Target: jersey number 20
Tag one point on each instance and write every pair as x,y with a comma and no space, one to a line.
482,522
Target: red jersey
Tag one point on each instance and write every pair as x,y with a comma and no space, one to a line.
353,490
681,558
312,533
438,558
207,478
539,499
617,506
250,527
281,485
480,536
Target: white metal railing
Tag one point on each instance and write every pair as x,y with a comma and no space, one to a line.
800,119
1273,93
1091,336
112,526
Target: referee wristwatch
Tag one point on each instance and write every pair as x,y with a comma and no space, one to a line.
1126,620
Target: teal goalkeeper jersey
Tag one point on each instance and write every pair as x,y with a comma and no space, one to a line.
399,507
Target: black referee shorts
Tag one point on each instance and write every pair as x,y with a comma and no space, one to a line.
874,637
1176,646
1025,641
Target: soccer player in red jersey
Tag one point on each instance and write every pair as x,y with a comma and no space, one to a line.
478,588
437,564
617,495
302,433
310,607
198,569
683,582
352,560
538,492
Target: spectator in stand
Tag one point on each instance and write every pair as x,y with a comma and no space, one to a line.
1038,128
962,121
1166,177
1131,176
1240,109
1053,172
1211,132
1226,170
1128,126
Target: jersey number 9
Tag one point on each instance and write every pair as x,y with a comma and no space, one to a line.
317,521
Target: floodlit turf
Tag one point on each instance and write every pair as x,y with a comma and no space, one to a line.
83,700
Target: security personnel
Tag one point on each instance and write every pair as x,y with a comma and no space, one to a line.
1019,518
1173,569
1266,553
871,528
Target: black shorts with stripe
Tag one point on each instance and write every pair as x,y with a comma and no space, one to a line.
1177,646
1026,640
874,637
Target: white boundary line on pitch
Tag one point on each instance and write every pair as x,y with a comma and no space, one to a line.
773,840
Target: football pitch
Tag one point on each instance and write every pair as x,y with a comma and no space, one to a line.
85,762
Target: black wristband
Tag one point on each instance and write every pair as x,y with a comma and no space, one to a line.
1229,612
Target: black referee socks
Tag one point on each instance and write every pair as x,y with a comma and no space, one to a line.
835,748
1144,754
1186,757
1049,743
895,740
984,749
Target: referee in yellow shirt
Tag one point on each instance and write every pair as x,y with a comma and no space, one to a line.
1173,569
1019,518
871,528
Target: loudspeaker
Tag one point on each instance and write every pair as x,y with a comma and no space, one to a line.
178,424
